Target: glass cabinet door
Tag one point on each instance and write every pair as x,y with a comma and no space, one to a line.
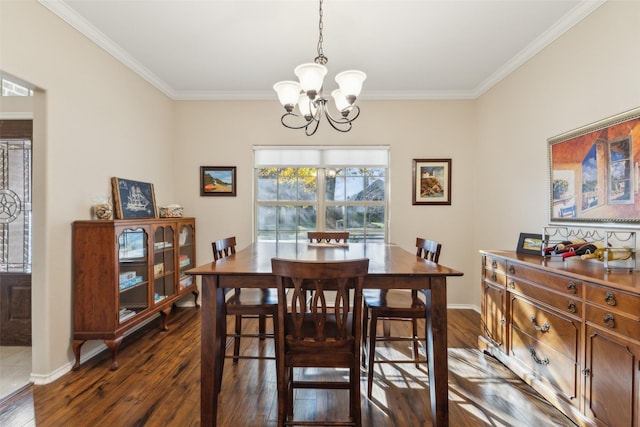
164,283
186,258
133,273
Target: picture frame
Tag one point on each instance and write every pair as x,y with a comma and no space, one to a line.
218,181
431,182
594,173
529,243
133,199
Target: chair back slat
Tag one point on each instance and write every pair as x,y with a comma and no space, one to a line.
330,322
428,249
223,247
328,236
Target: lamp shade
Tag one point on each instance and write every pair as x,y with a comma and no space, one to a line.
350,82
341,101
306,106
288,92
311,76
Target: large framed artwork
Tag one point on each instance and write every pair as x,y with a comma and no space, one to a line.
133,199
594,172
217,180
431,182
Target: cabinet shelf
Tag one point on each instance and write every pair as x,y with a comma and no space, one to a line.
125,272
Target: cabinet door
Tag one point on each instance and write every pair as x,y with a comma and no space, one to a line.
164,262
186,255
612,385
493,306
133,262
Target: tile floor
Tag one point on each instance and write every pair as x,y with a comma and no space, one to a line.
15,369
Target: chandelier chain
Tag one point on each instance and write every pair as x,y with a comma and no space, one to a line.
320,59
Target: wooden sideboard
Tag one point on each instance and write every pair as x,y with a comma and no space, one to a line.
568,328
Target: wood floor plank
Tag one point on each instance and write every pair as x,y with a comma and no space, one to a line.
158,384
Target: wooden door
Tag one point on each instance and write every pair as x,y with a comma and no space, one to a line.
15,309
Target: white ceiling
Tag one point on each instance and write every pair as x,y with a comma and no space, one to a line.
237,49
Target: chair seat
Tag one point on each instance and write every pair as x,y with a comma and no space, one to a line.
247,297
309,330
393,302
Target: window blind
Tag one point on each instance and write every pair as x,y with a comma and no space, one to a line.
322,157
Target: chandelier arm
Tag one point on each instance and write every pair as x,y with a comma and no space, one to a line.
343,124
311,127
303,126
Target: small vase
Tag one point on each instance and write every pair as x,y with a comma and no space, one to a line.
103,211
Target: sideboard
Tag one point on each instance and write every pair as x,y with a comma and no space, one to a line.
568,328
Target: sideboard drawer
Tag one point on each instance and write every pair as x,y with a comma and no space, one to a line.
612,321
567,304
494,264
562,284
546,364
618,301
562,335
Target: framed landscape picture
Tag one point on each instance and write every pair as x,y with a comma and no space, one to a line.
594,172
431,182
530,244
217,180
133,199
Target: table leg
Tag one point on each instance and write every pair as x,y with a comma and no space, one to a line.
211,338
436,302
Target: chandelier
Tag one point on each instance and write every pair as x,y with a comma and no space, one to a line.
307,95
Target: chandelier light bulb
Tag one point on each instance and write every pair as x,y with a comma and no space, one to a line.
311,76
340,99
350,82
288,93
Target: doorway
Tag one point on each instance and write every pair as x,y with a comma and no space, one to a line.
15,254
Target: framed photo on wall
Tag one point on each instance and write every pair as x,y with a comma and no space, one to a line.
594,172
217,180
133,199
431,182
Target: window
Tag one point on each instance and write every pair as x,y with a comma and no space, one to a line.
327,189
13,88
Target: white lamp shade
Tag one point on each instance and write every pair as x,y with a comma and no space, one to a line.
288,92
311,76
350,82
306,106
341,100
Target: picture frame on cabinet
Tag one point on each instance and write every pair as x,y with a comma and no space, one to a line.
218,181
529,244
431,182
133,199
594,172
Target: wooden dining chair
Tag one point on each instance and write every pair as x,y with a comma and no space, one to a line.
328,237
395,305
318,336
245,303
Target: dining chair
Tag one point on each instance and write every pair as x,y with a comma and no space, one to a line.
395,305
328,237
319,336
245,303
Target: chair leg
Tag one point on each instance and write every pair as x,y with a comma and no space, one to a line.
414,324
372,352
354,408
236,340
365,326
262,322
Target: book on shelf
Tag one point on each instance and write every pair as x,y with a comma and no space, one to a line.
184,260
125,314
158,269
157,297
126,275
186,281
125,284
162,245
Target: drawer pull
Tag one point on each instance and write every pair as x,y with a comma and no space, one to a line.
571,306
512,284
512,269
609,320
494,263
536,359
494,277
610,299
572,288
544,328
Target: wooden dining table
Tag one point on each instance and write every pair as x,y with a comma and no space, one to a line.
390,267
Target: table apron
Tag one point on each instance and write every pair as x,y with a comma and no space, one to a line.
370,281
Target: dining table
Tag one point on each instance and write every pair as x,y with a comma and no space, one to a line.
390,267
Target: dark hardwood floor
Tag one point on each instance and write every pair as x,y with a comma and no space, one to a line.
158,384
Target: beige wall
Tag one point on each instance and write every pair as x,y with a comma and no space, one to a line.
103,121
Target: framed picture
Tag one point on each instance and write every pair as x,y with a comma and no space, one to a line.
217,180
431,181
530,244
594,172
133,199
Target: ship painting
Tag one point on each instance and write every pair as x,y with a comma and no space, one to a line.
137,201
